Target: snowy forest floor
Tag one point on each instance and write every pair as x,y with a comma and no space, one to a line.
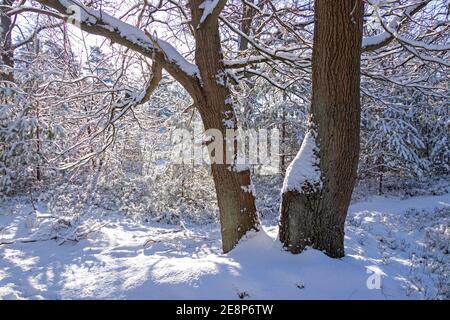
404,241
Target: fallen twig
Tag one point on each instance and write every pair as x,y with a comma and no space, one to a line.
25,240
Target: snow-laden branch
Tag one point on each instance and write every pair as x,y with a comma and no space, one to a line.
100,23
242,62
392,31
384,38
283,55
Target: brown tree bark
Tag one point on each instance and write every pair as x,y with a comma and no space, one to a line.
317,218
6,51
237,206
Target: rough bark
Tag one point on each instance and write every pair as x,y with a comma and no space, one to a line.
6,50
317,218
237,206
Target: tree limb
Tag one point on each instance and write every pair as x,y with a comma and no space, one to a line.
383,39
100,23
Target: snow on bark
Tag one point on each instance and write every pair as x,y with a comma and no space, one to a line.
238,167
381,37
304,169
173,55
208,7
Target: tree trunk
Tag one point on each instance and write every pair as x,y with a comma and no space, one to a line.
283,138
247,16
6,51
236,204
317,218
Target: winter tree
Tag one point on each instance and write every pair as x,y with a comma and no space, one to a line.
206,82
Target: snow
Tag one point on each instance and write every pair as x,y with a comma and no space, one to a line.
208,7
376,39
221,78
391,30
239,166
80,13
126,260
174,56
305,166
229,100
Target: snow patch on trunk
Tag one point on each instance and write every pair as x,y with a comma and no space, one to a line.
304,169
238,167
250,189
208,7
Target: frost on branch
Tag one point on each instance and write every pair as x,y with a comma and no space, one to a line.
303,174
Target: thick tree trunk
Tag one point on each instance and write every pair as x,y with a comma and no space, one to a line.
6,51
236,204
233,186
247,15
317,218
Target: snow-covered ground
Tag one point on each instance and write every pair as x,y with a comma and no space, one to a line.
396,249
